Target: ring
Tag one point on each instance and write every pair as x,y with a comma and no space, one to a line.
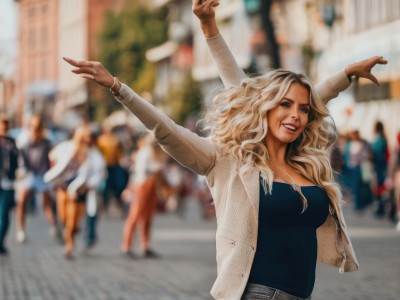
94,75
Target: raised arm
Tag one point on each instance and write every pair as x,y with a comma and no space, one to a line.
189,149
231,74
229,71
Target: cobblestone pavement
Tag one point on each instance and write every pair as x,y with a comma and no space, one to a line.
186,270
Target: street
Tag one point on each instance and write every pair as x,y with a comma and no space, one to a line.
186,270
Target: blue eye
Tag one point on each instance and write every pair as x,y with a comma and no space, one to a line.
285,104
305,110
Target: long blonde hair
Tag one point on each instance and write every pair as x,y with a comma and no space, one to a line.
237,120
81,134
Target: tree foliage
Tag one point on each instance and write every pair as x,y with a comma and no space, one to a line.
126,37
185,100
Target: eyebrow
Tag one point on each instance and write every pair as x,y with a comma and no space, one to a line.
290,100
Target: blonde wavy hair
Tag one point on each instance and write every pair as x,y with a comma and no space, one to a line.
237,120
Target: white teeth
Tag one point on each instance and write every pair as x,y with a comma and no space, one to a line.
292,128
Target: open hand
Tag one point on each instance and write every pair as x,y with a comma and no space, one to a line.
363,68
204,9
93,70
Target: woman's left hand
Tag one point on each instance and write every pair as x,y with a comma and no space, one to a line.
363,68
93,70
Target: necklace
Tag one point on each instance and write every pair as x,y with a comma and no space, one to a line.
296,188
293,183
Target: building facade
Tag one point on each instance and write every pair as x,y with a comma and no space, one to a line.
49,30
364,28
37,70
80,22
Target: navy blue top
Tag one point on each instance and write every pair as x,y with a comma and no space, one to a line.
286,253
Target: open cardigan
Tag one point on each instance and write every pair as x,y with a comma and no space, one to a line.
236,192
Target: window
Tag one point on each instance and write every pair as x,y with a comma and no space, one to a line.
44,8
31,11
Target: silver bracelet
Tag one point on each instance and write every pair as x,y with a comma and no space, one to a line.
115,94
114,83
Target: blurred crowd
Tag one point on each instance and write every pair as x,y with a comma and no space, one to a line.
370,173
93,172
104,171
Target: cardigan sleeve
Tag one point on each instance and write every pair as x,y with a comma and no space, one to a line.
330,88
186,147
231,74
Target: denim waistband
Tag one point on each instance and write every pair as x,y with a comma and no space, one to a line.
256,291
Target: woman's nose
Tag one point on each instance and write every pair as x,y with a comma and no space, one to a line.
294,113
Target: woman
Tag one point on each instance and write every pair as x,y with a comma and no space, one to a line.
394,176
355,156
35,162
380,159
148,166
8,167
78,169
268,139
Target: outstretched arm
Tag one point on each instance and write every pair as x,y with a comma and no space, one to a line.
231,74
189,149
330,88
362,69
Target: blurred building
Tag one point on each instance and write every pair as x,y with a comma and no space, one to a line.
264,35
49,30
361,29
37,70
317,37
7,84
8,58
174,57
232,19
80,22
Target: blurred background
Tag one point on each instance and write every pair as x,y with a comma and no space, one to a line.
156,47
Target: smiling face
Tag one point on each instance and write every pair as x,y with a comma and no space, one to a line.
289,118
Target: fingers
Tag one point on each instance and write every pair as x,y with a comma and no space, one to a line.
76,63
87,76
211,4
379,60
92,70
205,7
374,61
84,70
373,79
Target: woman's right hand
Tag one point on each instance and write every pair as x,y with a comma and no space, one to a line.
204,9
95,71
205,12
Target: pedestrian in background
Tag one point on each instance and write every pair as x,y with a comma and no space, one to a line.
77,170
268,135
8,167
34,163
117,177
394,178
149,162
356,153
92,176
380,159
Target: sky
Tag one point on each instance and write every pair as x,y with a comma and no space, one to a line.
8,37
8,25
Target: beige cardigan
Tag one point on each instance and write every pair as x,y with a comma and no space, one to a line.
236,194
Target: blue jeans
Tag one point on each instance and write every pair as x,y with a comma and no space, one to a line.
91,231
117,179
261,292
6,204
